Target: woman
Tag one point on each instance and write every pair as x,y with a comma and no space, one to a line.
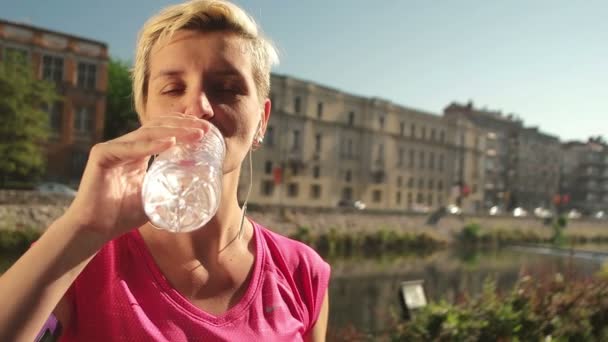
107,274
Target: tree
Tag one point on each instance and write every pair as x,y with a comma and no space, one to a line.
24,125
120,116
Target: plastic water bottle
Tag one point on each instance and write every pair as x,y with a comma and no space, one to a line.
182,189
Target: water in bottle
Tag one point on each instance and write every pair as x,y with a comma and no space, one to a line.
182,188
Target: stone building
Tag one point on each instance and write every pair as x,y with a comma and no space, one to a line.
584,175
78,67
324,147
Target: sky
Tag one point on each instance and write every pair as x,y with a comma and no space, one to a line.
545,61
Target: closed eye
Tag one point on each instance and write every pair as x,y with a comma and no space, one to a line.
172,90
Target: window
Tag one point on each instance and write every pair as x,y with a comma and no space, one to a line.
269,136
409,199
348,176
319,110
423,133
376,196
399,181
442,136
412,158
351,118
292,190
429,200
381,122
380,153
347,194
398,197
55,112
268,167
315,191
441,162
420,183
52,68
440,185
431,184
297,105
400,159
295,170
421,157
316,171
410,182
15,55
87,75
419,198
413,131
349,148
318,143
402,128
296,140
79,161
83,120
432,161
267,188
433,134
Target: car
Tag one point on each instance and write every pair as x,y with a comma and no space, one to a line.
574,214
495,210
454,209
351,204
543,212
520,212
599,215
55,188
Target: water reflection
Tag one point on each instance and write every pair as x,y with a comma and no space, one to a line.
364,292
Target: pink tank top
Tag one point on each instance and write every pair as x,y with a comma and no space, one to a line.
122,296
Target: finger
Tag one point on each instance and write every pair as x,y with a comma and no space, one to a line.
182,134
118,152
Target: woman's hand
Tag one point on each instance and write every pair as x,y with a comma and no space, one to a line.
108,201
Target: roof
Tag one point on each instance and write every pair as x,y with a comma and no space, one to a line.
44,30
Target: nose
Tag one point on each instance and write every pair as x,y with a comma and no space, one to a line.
198,105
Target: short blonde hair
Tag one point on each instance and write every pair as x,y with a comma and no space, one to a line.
204,16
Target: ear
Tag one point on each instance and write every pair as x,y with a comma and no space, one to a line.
265,116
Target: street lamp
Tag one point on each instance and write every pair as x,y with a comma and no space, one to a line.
412,297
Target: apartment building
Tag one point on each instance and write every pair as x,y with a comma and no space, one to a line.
497,135
584,175
324,146
78,67
537,167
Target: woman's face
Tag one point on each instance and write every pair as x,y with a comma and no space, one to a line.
208,75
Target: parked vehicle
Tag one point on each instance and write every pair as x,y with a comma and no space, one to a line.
454,209
520,212
574,214
351,204
543,212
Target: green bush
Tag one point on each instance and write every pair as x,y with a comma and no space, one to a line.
17,241
471,233
533,311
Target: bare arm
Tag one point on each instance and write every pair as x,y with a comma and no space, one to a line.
108,203
35,284
319,331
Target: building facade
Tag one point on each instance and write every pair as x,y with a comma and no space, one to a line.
78,67
324,147
497,136
584,175
537,167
